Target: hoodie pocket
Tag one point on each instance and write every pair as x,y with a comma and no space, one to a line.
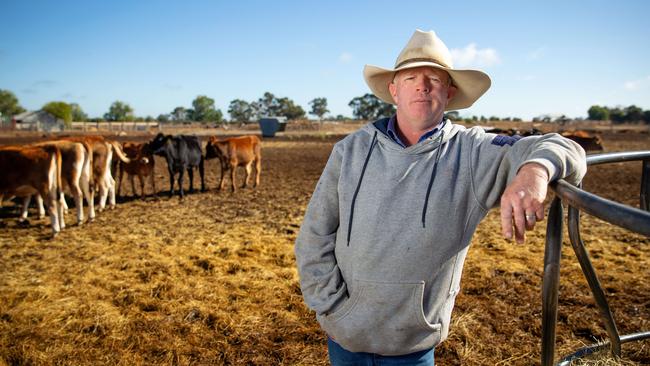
384,318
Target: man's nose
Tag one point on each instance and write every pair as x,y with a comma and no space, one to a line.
424,85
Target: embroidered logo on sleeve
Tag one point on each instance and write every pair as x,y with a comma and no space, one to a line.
502,140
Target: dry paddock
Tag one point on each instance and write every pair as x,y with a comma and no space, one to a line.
211,280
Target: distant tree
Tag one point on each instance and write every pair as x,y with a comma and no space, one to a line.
268,105
60,110
289,109
319,107
179,114
9,105
149,119
241,111
78,114
598,113
633,114
369,107
205,111
118,112
494,118
617,115
646,116
162,118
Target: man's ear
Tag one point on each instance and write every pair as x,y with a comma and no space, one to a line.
451,92
392,89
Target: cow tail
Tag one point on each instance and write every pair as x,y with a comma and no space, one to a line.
120,153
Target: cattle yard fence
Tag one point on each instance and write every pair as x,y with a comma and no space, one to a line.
627,217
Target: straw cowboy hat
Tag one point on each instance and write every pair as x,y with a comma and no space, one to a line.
426,49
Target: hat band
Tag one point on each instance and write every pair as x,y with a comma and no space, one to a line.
421,59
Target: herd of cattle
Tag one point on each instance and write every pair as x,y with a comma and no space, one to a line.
82,166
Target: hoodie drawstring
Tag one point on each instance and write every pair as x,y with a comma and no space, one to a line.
356,191
433,177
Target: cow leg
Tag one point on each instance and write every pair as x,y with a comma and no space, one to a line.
171,182
41,207
180,182
141,179
258,170
111,191
120,174
202,174
54,210
249,170
79,202
153,184
132,179
64,204
89,194
223,176
190,172
233,171
24,213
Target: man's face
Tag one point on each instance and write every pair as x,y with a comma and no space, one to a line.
421,95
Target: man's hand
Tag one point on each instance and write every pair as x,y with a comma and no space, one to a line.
522,203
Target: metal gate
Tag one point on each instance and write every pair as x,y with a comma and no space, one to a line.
630,218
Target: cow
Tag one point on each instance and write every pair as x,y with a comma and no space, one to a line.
28,170
142,164
182,153
233,152
588,141
102,155
76,176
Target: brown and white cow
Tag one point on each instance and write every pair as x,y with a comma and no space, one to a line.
28,170
142,164
76,177
233,152
102,155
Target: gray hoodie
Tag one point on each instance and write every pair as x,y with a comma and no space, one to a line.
381,249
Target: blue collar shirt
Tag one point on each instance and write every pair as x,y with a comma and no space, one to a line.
392,131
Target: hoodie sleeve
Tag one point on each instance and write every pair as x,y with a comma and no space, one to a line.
320,278
496,159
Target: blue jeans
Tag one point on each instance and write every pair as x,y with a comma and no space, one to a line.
339,356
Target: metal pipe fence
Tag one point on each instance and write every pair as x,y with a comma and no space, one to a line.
627,217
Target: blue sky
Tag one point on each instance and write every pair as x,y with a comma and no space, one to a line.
544,57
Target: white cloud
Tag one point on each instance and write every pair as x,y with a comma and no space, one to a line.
472,56
345,57
633,85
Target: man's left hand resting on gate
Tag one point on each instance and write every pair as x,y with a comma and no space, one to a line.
522,203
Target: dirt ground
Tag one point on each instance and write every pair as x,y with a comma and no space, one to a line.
211,280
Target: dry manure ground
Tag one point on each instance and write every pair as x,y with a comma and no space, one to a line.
211,280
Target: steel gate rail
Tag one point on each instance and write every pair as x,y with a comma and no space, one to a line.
630,218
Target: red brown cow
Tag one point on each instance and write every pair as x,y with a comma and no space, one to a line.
28,170
233,152
142,165
588,141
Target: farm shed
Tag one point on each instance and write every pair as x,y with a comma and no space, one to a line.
37,121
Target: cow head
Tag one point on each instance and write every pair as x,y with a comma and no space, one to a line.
214,148
158,144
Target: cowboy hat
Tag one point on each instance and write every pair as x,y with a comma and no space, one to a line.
426,49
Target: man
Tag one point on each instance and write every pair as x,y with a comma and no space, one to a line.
382,246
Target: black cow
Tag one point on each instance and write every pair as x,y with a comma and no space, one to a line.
182,153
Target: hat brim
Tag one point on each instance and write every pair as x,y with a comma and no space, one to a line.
470,84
